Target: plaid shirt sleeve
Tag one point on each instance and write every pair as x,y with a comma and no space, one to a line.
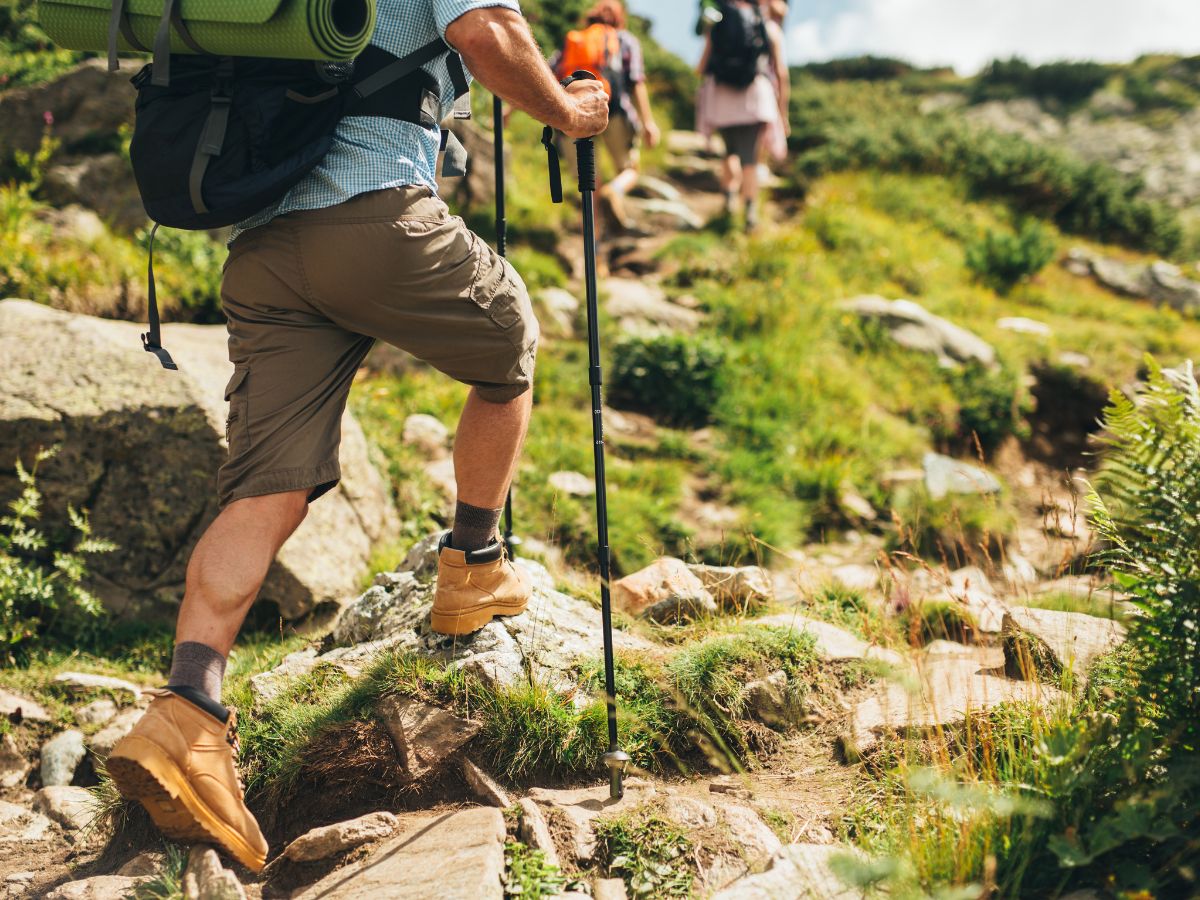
447,11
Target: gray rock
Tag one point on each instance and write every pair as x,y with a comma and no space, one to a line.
103,183
1022,325
673,213
1058,641
770,701
96,713
573,484
103,741
971,587
425,736
330,840
665,590
73,380
736,587
101,887
61,756
656,187
914,327
609,889
206,879
18,707
485,788
71,807
19,825
427,434
545,643
1160,282
939,692
689,812
944,476
87,102
14,767
147,864
82,681
831,642
756,841
534,832
642,308
449,854
578,809
797,872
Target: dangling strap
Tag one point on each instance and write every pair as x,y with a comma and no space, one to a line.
152,339
454,158
462,87
556,191
118,24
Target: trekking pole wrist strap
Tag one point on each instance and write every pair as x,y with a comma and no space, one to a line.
585,151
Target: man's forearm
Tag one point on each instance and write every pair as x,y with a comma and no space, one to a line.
500,51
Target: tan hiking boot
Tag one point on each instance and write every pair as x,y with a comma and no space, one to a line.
473,588
178,762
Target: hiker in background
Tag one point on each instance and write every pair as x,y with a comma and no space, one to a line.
737,98
605,48
774,145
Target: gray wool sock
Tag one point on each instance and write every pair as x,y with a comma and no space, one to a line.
474,526
198,666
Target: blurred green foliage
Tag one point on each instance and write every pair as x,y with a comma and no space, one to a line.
676,379
1068,83
1004,259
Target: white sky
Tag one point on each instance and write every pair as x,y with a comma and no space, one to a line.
963,33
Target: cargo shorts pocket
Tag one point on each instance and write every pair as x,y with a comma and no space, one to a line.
498,290
237,425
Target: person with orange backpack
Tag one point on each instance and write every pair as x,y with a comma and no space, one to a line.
603,46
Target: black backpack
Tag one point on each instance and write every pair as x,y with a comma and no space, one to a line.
218,139
739,44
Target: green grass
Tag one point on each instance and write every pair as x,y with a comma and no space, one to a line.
528,875
649,853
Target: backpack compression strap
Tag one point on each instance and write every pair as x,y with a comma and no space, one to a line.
152,339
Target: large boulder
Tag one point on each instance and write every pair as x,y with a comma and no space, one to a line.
140,449
1051,642
1161,282
84,107
911,325
103,183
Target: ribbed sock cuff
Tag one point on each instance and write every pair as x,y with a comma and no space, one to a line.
198,666
474,526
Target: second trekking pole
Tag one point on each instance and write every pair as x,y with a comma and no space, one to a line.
502,248
615,759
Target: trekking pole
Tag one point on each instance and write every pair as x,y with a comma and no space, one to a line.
510,541
615,759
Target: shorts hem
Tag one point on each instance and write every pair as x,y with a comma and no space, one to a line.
319,479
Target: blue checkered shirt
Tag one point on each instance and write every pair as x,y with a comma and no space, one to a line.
370,153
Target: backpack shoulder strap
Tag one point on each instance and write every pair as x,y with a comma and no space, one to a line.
406,65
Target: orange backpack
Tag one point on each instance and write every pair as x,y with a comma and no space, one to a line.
595,49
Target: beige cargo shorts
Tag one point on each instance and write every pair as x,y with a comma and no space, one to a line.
308,294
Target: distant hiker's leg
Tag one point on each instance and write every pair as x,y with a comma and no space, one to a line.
229,564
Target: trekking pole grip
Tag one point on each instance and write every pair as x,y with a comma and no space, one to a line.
585,153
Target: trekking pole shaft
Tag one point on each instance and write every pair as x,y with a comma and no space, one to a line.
502,249
586,153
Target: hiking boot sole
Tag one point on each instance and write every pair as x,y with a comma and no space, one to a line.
468,621
143,772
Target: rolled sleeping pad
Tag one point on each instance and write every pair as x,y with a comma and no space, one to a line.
280,29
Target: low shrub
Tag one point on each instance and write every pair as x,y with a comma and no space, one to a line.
1068,83
1003,260
676,379
650,853
992,405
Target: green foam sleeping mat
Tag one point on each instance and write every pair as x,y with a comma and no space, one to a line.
281,29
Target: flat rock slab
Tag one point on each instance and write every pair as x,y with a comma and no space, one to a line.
832,643
1067,641
425,736
102,887
579,808
15,705
798,872
83,681
456,854
914,327
329,840
19,825
71,807
941,692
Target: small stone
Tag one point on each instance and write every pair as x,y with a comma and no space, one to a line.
61,756
484,786
689,812
579,808
14,767
573,484
440,473
857,577
19,825
330,840
535,832
427,434
20,877
103,741
798,872
79,681
207,879
915,328
147,864
18,707
731,785
1022,325
96,713
769,700
664,590
102,887
856,505
944,476
71,807
753,836
425,736
609,889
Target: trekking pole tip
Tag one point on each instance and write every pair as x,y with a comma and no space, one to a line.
617,762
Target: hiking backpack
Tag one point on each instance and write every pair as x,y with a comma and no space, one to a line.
595,49
739,44
218,139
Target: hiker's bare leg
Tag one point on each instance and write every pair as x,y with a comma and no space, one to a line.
230,562
731,171
486,447
749,183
